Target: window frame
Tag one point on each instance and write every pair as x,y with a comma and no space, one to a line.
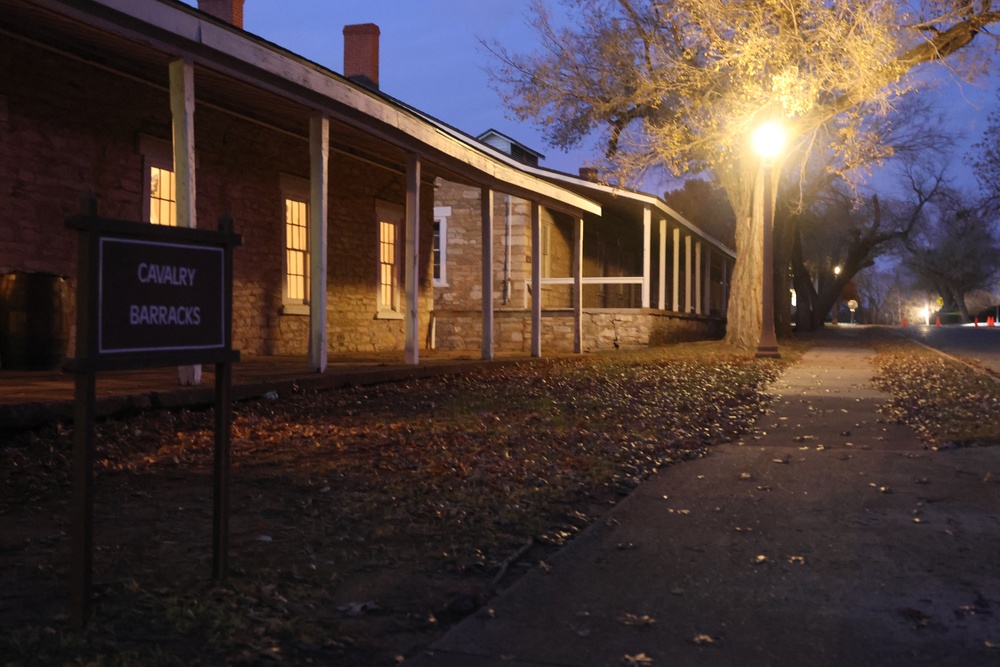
391,214
296,189
441,215
156,154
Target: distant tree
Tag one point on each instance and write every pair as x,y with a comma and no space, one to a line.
881,295
956,257
986,163
681,84
824,220
707,206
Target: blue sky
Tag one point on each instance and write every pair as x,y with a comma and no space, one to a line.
431,58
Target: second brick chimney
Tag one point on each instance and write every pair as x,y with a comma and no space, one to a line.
230,11
361,53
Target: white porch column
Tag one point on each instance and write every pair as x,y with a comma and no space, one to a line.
677,271
647,231
411,261
182,113
698,300
662,294
182,120
487,278
687,274
706,290
319,179
578,286
536,279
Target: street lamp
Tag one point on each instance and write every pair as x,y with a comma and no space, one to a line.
768,141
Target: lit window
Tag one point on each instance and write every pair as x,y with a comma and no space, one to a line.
295,292
296,250
162,197
390,223
159,196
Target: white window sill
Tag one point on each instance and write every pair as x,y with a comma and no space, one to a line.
388,315
295,309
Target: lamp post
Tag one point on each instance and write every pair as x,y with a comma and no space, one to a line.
836,302
768,141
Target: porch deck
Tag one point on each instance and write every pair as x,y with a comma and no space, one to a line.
31,398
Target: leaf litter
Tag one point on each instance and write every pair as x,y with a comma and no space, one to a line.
414,494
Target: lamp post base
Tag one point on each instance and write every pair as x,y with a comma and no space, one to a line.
767,352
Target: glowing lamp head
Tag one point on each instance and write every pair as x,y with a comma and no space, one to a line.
768,140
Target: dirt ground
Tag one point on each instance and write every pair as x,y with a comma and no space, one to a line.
364,523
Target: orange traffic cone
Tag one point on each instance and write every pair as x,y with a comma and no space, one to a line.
937,321
990,322
976,323
904,321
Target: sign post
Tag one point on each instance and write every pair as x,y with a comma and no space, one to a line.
148,296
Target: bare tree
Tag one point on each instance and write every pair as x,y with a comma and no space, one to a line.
680,85
957,255
986,163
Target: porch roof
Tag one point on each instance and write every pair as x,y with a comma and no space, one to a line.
245,75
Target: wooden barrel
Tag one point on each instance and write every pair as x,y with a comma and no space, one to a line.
34,320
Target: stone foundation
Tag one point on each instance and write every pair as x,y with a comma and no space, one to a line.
603,329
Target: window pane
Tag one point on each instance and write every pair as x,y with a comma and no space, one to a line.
162,197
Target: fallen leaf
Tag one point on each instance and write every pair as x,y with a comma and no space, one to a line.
703,640
637,660
633,619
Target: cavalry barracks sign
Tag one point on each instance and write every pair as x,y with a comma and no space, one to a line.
158,296
148,296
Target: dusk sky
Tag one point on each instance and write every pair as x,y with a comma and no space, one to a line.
432,59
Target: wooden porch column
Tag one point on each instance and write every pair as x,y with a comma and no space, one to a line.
698,300
536,279
677,271
687,274
662,294
706,290
647,231
411,261
578,286
182,121
487,243
319,190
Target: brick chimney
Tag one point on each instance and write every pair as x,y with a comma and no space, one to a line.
230,11
590,174
361,53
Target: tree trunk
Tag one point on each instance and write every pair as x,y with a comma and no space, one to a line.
785,230
744,318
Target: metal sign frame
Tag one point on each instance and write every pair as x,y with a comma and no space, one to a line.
92,356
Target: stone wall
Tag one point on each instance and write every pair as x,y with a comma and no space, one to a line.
67,127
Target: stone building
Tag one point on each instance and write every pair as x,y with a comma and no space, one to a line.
174,115
646,275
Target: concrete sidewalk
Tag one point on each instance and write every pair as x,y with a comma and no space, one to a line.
826,538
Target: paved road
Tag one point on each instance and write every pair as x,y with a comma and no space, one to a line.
976,344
